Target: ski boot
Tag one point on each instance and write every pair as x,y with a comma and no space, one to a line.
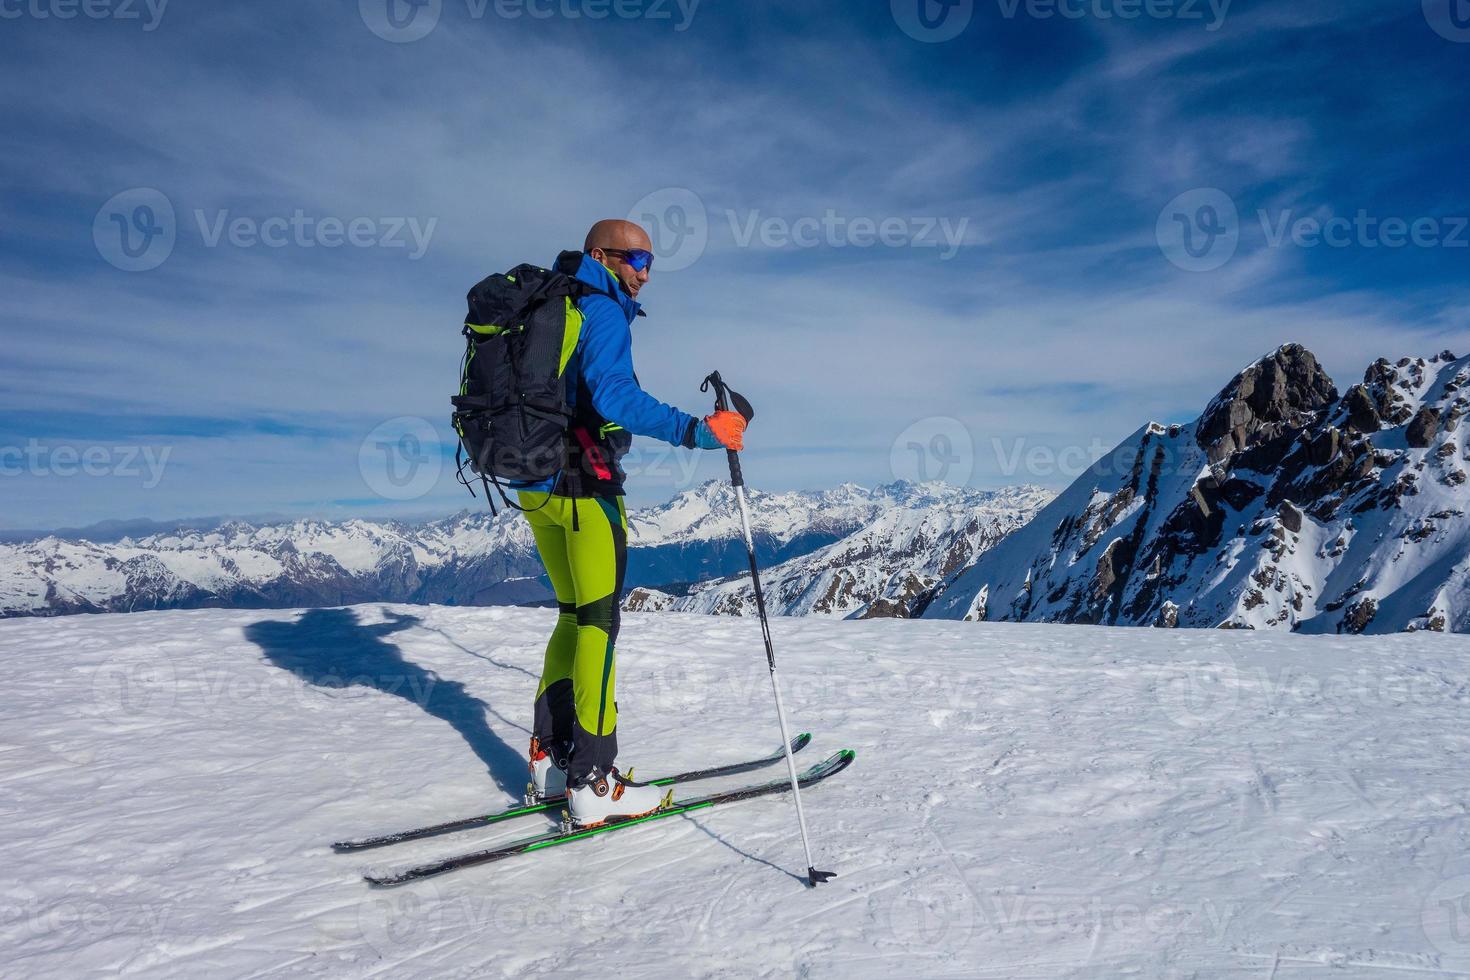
606,796
548,773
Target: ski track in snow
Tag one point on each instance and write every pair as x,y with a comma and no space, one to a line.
1027,801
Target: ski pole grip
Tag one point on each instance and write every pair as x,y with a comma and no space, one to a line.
725,396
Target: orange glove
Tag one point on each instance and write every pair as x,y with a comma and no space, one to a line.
721,429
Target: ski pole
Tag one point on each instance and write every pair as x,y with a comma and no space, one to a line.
724,395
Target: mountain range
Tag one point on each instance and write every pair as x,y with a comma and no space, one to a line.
1284,505
924,534
474,558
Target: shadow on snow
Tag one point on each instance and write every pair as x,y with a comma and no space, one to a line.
329,648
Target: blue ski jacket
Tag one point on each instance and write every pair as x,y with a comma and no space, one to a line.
603,366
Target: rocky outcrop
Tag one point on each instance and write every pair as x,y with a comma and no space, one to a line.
1423,428
1272,397
1283,506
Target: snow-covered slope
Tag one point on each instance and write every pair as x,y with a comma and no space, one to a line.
1282,506
930,531
469,559
1105,803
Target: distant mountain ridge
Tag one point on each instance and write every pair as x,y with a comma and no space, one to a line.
468,559
932,530
1285,505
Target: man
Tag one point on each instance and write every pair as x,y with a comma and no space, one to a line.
581,526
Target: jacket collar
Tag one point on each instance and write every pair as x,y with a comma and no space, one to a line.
600,277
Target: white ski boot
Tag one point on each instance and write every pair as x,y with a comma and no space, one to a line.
605,796
548,779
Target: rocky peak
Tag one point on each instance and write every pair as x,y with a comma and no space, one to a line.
1279,392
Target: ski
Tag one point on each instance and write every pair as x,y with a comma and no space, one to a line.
548,806
822,770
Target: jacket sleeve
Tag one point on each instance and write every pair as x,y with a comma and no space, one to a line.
607,367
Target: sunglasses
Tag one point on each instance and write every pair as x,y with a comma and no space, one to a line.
638,258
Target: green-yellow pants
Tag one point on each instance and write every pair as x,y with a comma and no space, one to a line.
583,542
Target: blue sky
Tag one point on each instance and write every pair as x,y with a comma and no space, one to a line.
978,249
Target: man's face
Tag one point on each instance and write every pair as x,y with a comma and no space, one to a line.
632,279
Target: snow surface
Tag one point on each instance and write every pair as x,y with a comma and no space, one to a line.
1028,800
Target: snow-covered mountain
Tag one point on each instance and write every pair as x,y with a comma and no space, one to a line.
468,559
925,533
1283,506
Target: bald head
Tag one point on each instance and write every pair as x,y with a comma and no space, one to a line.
610,240
616,233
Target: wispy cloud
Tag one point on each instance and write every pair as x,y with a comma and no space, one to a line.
1048,149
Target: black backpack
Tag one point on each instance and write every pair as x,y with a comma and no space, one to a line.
511,413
